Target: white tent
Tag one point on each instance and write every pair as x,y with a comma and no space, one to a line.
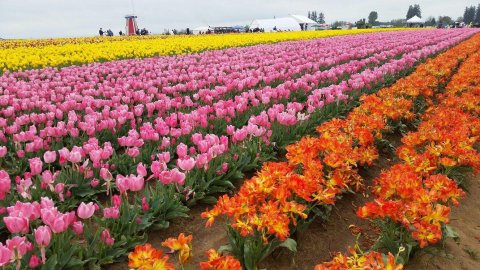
280,24
415,19
307,22
202,29
303,19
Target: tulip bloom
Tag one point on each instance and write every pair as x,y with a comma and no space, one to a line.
6,255
5,184
107,238
85,211
17,224
3,151
50,156
35,166
186,164
43,236
77,227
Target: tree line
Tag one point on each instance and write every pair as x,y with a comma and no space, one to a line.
472,15
318,17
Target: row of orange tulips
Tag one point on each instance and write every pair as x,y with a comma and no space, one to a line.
416,195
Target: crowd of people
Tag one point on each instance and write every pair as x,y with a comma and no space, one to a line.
109,32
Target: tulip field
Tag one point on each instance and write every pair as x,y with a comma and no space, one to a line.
105,143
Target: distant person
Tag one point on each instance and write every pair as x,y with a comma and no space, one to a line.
137,32
100,31
120,33
109,33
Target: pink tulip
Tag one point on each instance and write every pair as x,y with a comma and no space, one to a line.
31,211
46,203
19,246
141,170
133,152
5,184
17,224
145,205
106,237
122,183
6,255
77,227
106,175
43,236
164,157
136,183
3,151
34,262
111,212
85,211
94,183
50,156
35,166
182,150
186,164
177,176
116,200
225,167
75,156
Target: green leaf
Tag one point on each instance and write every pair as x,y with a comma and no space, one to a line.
50,263
161,224
225,248
449,232
209,200
290,244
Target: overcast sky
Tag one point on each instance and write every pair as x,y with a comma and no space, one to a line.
63,18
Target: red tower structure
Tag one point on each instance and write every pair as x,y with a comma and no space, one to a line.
131,26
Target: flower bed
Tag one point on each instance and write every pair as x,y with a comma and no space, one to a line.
77,157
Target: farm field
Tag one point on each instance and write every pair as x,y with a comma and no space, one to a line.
312,150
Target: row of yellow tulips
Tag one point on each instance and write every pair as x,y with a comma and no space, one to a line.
65,52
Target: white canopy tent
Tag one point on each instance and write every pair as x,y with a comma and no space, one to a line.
202,29
303,19
280,24
307,22
415,19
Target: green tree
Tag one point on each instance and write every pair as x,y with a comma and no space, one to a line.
321,18
469,15
417,11
372,17
431,21
445,20
410,12
477,15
